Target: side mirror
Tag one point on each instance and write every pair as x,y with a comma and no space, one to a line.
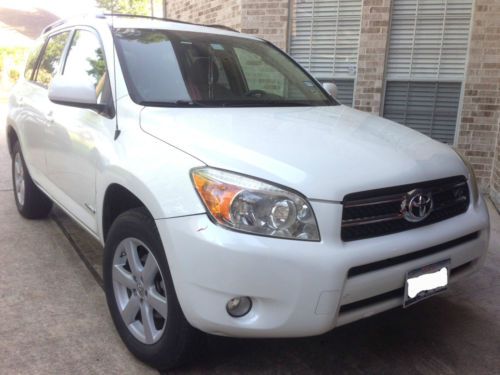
330,88
74,91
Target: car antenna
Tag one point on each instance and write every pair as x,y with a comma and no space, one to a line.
117,130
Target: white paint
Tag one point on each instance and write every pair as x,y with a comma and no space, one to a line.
427,282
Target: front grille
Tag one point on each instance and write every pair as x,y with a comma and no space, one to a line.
378,212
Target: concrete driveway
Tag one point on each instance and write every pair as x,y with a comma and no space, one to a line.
55,319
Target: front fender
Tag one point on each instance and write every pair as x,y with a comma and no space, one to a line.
156,173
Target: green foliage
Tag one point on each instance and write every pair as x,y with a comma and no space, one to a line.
13,59
136,7
14,75
18,54
98,66
51,57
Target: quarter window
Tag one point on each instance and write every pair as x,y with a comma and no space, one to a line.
51,58
85,62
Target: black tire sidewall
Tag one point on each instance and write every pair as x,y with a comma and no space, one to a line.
169,350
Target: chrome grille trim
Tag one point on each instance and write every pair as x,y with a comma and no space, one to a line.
397,197
379,212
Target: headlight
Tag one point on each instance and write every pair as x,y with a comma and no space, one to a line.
471,177
249,205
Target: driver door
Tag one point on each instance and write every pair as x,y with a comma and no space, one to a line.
72,153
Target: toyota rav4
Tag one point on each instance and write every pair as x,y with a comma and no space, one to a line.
232,193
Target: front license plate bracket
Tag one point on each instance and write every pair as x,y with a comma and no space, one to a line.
426,281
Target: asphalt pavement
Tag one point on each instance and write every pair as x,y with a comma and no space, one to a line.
54,318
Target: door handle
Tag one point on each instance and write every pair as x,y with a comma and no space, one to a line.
20,101
49,118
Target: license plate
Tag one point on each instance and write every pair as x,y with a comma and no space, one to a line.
426,282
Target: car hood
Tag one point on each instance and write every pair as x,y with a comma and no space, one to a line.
323,152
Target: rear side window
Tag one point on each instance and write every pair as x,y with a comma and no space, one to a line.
51,58
32,59
85,62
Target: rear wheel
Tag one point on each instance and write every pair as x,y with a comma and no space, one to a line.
140,293
31,202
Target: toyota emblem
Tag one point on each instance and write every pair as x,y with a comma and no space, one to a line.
417,206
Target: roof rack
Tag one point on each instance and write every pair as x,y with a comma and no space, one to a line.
60,22
169,20
53,25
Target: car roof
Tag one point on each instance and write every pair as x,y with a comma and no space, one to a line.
143,22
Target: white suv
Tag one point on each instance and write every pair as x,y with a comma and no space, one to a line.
232,193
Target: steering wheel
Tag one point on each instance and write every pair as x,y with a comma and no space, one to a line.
255,93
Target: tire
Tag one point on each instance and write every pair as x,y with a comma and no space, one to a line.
132,239
31,202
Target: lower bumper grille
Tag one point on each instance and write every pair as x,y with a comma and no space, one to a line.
375,266
381,212
397,293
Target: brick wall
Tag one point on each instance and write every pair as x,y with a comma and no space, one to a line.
267,19
223,12
495,175
373,40
478,135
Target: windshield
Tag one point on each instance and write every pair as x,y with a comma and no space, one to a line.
179,68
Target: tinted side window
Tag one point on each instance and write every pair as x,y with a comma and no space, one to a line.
32,59
85,62
51,58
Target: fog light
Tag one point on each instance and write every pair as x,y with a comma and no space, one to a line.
239,306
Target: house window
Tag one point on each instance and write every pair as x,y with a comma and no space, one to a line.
324,39
426,64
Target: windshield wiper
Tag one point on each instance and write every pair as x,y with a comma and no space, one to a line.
266,103
177,103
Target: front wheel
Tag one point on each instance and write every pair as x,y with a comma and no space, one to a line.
141,295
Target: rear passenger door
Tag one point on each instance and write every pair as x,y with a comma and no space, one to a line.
36,106
72,151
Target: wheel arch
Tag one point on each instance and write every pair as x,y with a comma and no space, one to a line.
117,200
12,138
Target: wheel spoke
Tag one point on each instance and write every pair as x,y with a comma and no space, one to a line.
157,302
123,277
148,323
150,270
17,166
133,258
131,309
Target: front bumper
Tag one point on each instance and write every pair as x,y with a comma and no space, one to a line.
303,288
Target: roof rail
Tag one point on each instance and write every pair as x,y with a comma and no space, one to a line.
60,22
169,20
223,27
53,25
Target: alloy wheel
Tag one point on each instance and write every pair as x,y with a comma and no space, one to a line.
139,290
19,183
